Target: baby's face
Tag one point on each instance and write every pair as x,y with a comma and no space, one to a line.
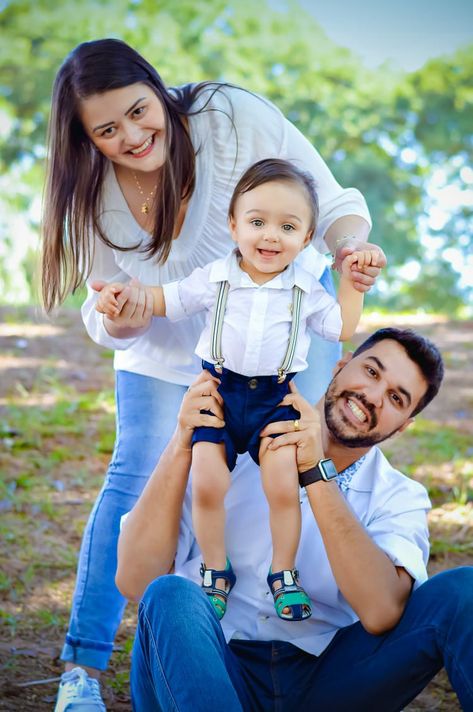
271,225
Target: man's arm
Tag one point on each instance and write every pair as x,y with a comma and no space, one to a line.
374,587
148,541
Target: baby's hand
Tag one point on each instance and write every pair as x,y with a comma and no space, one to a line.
107,302
360,259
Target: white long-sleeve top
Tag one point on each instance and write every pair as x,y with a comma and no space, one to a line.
225,148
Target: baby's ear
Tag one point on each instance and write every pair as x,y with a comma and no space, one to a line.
308,237
232,227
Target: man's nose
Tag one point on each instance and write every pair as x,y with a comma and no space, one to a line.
375,394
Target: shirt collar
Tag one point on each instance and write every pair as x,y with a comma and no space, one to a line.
228,270
345,476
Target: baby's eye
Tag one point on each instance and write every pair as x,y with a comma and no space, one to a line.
287,227
257,222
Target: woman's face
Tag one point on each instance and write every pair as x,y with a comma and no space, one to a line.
128,126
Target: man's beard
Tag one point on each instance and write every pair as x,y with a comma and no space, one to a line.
336,426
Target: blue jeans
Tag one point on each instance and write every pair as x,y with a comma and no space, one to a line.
181,661
146,418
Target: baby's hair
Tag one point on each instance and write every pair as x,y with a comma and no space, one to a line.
275,169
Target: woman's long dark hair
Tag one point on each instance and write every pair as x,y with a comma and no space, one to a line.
76,169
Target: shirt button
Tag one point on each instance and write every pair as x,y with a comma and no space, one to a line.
253,383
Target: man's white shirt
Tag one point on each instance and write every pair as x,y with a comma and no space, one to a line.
391,507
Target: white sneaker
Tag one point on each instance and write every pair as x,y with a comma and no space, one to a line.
79,693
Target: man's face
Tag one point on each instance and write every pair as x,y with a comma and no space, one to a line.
373,395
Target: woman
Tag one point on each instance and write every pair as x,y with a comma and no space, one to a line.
139,182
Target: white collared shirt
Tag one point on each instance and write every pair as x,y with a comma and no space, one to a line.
236,130
257,318
390,506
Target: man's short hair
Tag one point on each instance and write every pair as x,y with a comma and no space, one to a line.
420,350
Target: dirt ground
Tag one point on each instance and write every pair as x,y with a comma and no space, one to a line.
42,361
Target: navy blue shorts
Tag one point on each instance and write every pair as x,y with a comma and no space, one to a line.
250,403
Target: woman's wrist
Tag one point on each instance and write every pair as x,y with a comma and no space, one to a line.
342,241
116,331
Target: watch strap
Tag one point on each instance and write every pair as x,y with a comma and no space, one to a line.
323,470
310,476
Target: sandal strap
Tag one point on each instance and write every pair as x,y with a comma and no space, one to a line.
289,595
210,577
218,596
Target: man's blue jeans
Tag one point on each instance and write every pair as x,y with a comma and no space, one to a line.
146,418
181,661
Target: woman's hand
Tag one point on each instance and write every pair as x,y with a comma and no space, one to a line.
135,309
201,395
363,278
304,433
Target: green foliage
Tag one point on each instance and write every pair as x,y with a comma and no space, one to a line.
361,121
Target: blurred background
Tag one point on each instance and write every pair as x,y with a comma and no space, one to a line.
385,92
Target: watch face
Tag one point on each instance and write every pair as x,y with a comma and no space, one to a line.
328,469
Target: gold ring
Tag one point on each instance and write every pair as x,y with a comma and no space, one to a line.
296,425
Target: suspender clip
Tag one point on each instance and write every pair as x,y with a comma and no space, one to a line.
281,375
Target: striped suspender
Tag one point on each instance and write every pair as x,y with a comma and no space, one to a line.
217,327
285,367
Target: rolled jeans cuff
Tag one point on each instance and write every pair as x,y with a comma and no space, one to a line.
91,653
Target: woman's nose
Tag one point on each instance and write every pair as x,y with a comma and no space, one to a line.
133,135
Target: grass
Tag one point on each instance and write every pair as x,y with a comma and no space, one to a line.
438,455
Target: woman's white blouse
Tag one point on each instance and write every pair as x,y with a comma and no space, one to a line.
235,130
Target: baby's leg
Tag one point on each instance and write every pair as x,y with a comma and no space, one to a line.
210,483
281,486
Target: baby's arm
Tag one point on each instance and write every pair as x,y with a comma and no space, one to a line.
350,299
159,305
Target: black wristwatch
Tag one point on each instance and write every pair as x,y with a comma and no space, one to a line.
324,470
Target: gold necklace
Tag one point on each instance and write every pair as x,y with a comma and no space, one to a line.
146,201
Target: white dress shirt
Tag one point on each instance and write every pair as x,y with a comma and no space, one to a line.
257,317
166,350
390,506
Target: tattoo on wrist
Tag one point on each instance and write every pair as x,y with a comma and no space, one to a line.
340,240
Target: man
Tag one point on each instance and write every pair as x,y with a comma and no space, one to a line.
378,632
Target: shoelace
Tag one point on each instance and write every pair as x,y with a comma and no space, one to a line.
80,682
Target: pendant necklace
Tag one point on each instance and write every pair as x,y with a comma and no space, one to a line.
146,200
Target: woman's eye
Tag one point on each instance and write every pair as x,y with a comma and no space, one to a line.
108,131
138,111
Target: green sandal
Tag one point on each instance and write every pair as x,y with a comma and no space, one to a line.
289,595
218,596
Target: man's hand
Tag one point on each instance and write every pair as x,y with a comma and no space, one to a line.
201,395
305,435
363,277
